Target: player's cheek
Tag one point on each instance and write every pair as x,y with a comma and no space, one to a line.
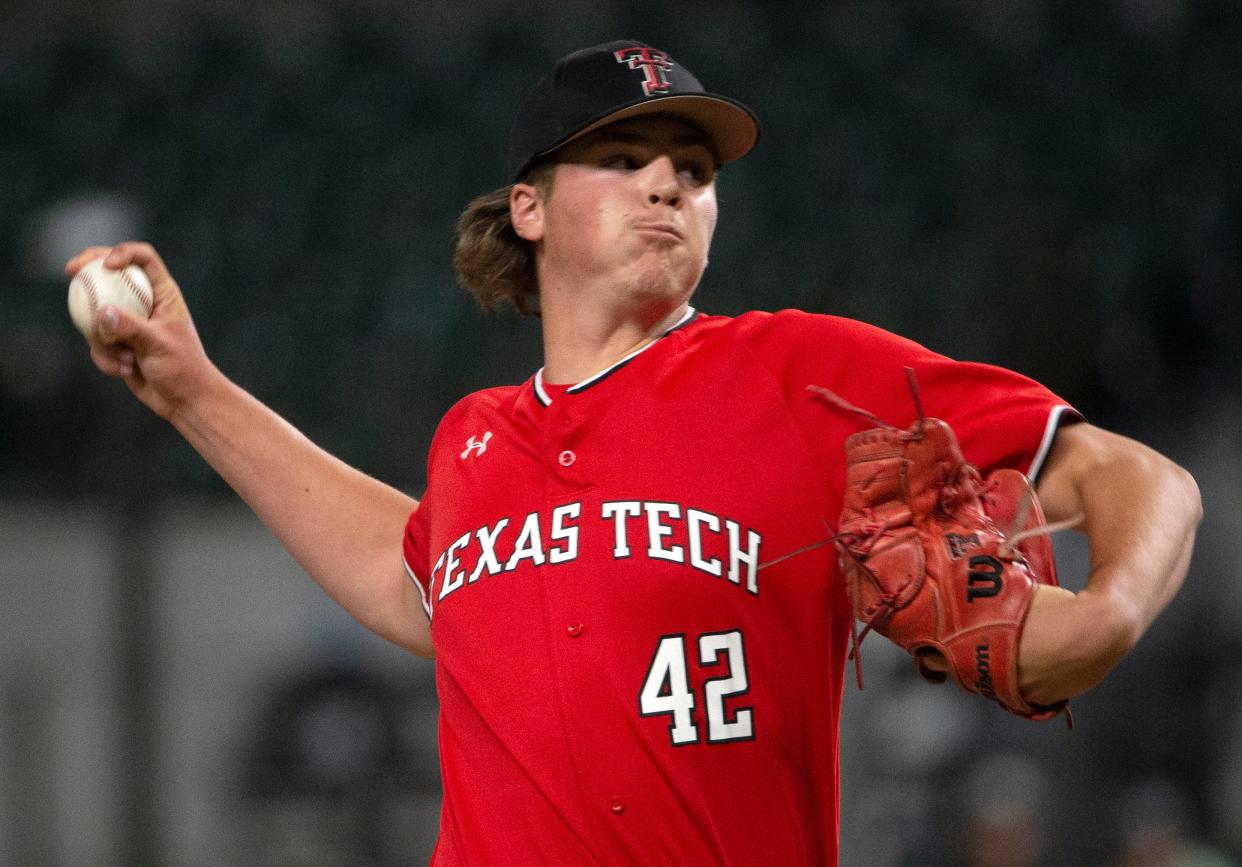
709,229
707,212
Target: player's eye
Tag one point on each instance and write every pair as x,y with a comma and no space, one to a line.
621,162
697,173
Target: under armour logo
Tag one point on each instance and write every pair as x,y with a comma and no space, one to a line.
653,62
472,444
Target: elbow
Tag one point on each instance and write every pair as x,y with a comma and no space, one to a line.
1196,499
1185,491
1164,481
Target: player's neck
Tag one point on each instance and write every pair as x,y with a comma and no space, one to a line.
580,340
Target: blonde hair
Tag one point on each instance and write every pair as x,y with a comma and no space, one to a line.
491,260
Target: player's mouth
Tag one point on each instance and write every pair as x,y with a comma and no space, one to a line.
665,230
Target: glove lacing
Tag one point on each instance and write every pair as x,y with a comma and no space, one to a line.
855,546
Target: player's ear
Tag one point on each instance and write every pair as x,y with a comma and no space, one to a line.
526,211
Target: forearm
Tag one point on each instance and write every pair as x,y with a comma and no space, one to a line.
342,526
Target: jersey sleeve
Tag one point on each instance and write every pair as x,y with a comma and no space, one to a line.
437,506
414,550
1001,418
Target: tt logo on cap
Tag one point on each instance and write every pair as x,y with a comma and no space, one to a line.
653,62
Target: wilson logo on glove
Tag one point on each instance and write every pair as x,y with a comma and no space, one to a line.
983,667
985,577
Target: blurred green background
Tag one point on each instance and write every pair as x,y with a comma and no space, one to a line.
1045,186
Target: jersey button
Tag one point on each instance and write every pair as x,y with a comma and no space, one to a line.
574,630
617,806
567,458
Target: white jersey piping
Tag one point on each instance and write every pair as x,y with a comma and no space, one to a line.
1045,444
546,400
423,591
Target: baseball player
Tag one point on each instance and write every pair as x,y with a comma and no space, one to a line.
622,566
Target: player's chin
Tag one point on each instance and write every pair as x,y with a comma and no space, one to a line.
665,281
680,262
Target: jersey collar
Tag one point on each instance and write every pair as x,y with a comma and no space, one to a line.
545,399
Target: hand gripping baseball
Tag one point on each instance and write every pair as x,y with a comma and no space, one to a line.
939,560
161,358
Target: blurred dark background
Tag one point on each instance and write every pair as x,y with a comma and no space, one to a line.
1045,186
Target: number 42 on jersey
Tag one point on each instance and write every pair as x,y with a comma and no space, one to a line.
666,688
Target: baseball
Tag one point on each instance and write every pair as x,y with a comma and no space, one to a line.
95,287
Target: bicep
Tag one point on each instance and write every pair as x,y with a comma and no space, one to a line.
1077,450
1081,453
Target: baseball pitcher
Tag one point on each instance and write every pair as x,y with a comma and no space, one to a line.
641,571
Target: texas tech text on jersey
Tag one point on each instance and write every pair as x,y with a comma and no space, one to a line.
712,544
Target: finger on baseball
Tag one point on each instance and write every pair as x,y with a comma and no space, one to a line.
116,326
113,361
143,255
90,254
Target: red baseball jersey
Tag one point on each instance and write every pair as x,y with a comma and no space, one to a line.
622,679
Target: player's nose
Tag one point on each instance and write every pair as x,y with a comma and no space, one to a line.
663,185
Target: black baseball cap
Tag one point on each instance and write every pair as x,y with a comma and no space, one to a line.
616,80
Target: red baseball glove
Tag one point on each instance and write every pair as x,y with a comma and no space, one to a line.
938,559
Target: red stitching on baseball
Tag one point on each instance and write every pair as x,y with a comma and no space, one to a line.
90,296
138,291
